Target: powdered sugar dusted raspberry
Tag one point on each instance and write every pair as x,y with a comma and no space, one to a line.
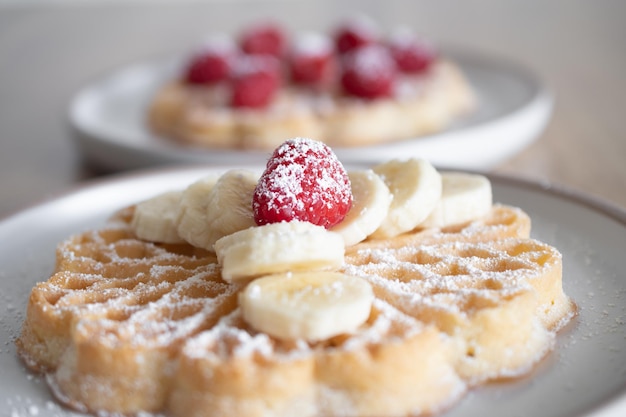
369,72
255,81
303,181
313,61
263,38
356,32
411,53
212,62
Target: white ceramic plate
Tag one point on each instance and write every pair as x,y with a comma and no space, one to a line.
585,376
514,106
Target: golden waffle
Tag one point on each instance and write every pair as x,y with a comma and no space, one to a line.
502,222
200,114
233,371
125,326
499,301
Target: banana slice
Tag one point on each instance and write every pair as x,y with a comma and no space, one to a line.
307,305
219,209
191,219
229,208
465,197
370,205
278,247
155,219
416,188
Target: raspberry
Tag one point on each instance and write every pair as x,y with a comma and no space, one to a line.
255,81
211,64
369,72
412,54
355,33
304,181
313,61
265,38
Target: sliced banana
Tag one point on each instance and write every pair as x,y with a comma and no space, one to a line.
278,247
370,205
465,197
155,219
229,208
307,305
416,188
217,206
191,217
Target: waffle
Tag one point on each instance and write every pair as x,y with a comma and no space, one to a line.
127,326
500,301
201,116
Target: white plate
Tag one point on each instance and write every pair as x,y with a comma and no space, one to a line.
585,376
514,106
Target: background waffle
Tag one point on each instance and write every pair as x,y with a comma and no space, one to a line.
125,325
199,115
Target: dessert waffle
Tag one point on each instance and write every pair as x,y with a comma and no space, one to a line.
200,115
128,326
499,301
353,87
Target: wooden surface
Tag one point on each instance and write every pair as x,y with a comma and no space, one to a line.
48,52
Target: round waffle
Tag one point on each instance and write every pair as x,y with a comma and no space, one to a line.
128,326
200,115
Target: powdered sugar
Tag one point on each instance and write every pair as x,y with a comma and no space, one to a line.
226,340
313,44
371,62
457,266
249,64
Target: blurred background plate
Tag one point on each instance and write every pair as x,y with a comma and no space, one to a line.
514,106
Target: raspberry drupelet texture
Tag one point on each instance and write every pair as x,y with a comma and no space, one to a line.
304,181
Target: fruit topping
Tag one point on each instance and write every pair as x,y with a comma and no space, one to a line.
369,72
355,33
416,189
212,63
312,61
371,200
264,38
278,248
412,54
256,80
356,60
304,181
307,305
